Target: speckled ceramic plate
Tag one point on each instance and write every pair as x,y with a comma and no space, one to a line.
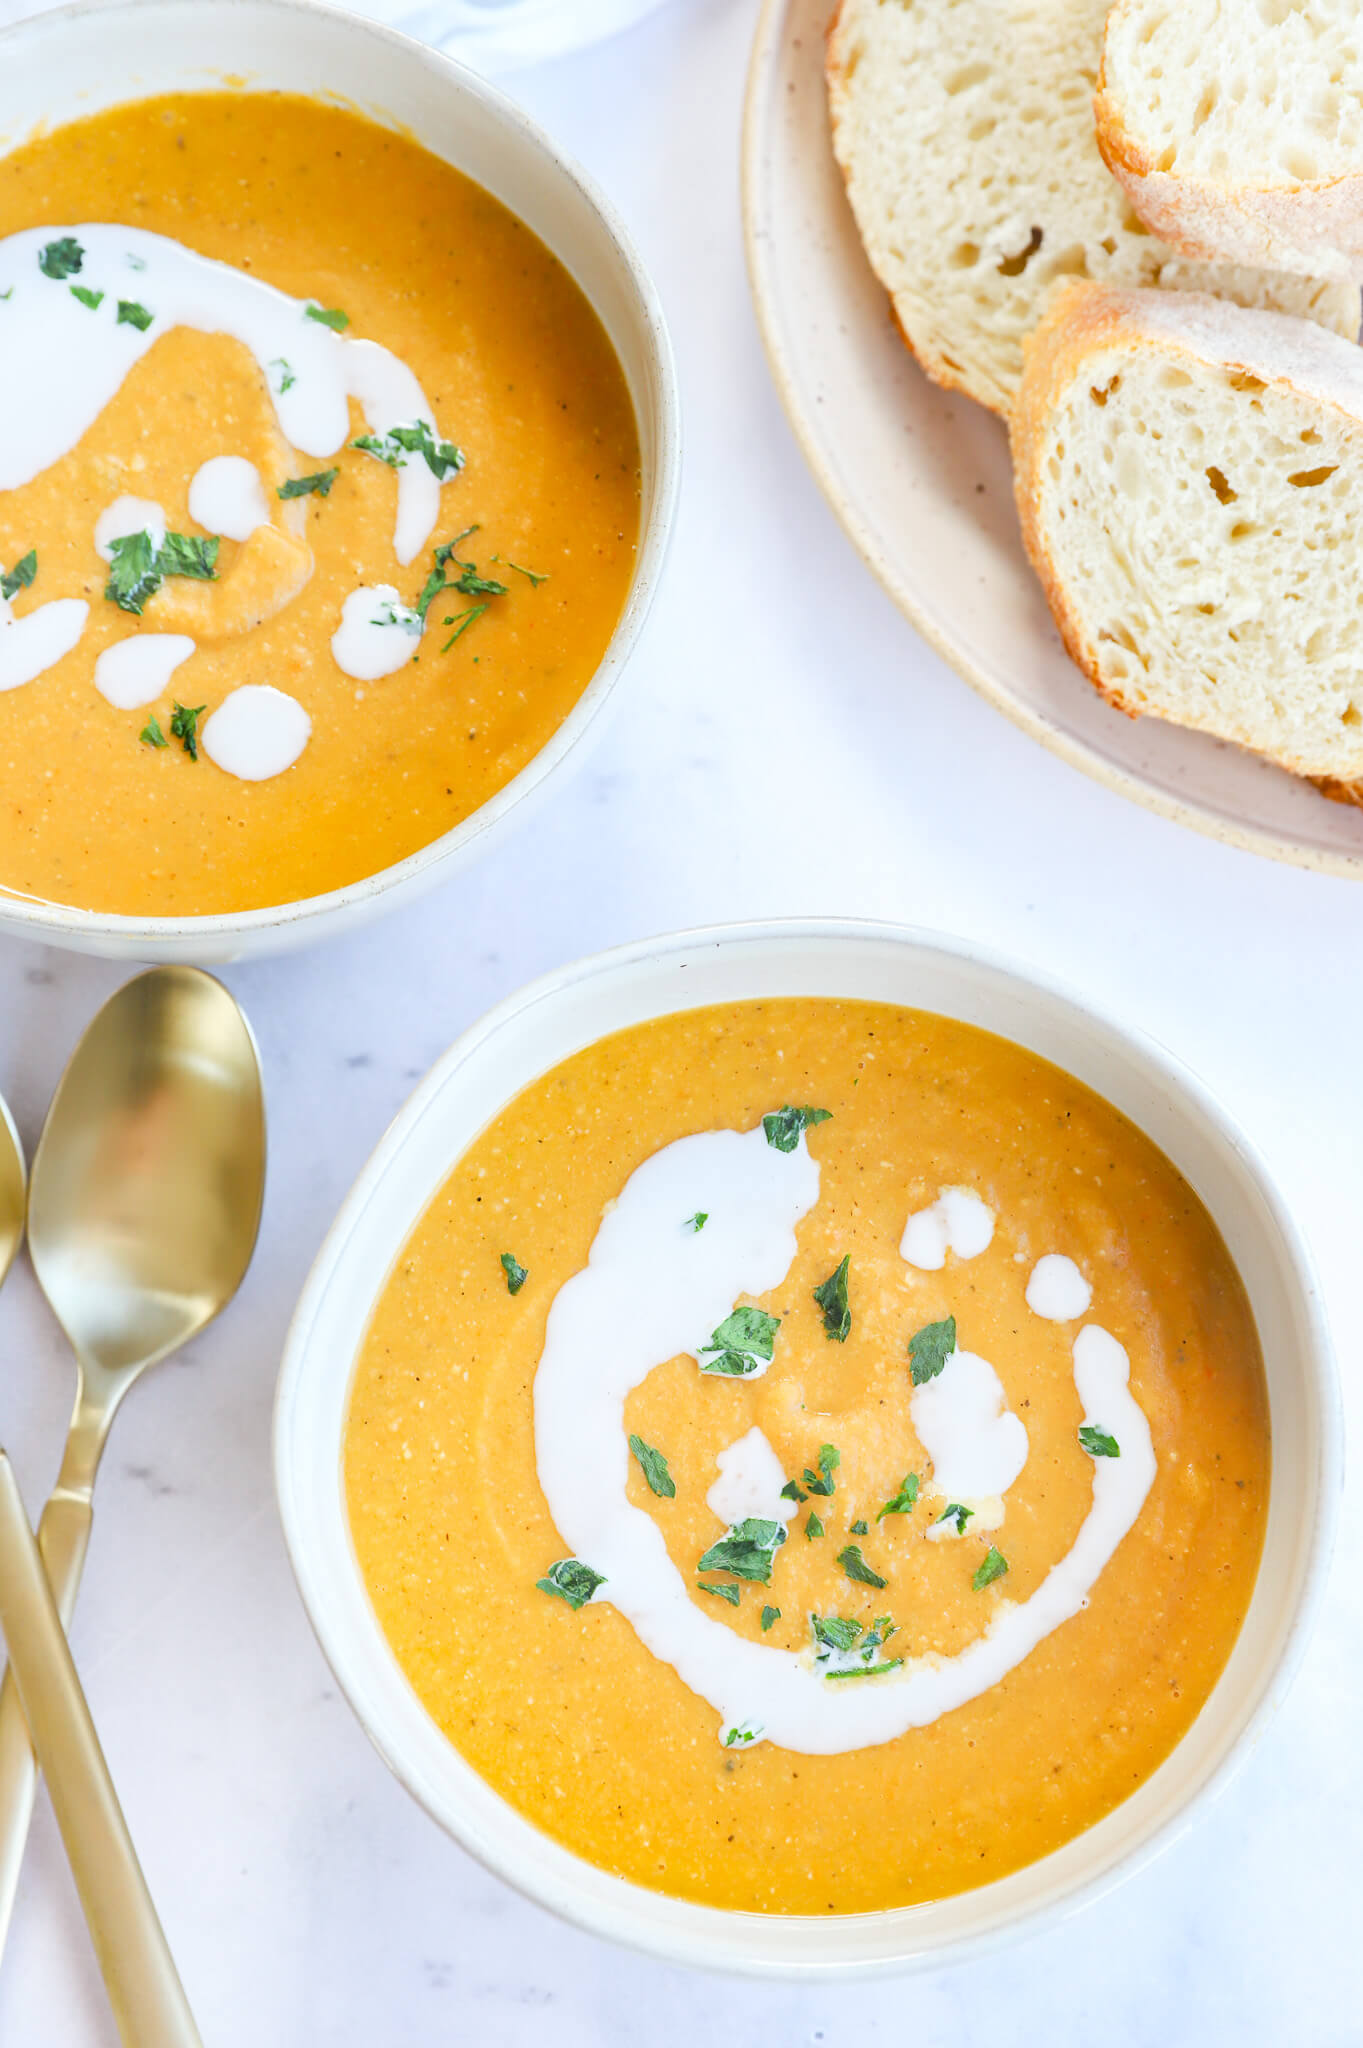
920,479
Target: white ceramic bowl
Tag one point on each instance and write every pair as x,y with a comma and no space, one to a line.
544,1024
55,67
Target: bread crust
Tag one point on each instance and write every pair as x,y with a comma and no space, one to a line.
1086,318
1311,229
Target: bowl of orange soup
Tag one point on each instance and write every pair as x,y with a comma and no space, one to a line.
808,1449
338,449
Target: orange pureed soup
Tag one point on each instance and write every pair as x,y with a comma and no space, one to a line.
375,361
808,1550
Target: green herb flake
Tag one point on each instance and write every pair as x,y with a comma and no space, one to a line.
319,484
287,375
466,619
867,1670
957,1514
994,1566
831,1296
747,1550
835,1631
536,576
653,1465
861,1528
930,1348
783,1127
742,1344
133,574
822,1482
571,1580
61,259
8,293
327,316
191,555
442,458
813,1526
151,734
769,1615
903,1501
94,300
516,1273
742,1732
698,1221
1098,1443
184,726
733,1594
792,1490
20,576
856,1567
131,314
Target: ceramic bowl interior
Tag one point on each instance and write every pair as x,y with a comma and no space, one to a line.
81,60
471,1084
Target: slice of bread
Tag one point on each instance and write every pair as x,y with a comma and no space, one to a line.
1237,127
964,129
1189,477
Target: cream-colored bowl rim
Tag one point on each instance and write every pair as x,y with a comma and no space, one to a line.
655,977
225,935
768,43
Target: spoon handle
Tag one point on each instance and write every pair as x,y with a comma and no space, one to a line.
144,1989
63,1537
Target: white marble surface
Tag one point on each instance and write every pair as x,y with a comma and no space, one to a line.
308,1900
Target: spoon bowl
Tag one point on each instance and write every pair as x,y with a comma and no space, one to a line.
143,1210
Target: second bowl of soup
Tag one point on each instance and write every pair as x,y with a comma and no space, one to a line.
337,452
807,1448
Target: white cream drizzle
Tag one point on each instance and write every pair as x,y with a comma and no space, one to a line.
976,1443
749,1483
226,496
136,671
1057,1290
377,633
256,732
649,1292
125,516
36,642
61,363
958,1221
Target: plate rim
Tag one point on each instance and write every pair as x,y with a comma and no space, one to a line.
764,58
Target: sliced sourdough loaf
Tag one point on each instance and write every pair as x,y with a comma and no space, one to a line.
964,129
1189,478
1237,127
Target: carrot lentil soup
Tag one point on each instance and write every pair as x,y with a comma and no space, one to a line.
811,1456
318,502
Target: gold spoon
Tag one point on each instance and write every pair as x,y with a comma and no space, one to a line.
144,1988
13,1194
143,1211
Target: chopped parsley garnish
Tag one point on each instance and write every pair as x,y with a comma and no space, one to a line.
792,1490
698,1221
861,1528
813,1526
822,1482
769,1615
733,1594
516,1273
741,1732
320,483
571,1580
326,316
537,576
137,569
287,376
930,1348
867,1670
20,576
151,734
856,1567
8,292
61,259
87,298
831,1295
442,458
994,1566
835,1632
742,1344
466,619
131,314
747,1551
1098,1443
957,1514
653,1465
784,1126
836,1636
399,615
184,726
903,1501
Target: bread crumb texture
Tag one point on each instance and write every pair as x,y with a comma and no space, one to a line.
965,132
